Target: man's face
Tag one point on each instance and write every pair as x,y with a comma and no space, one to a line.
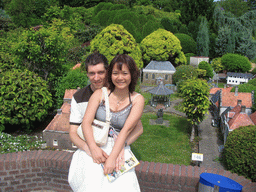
96,74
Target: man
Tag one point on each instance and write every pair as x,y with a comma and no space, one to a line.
96,65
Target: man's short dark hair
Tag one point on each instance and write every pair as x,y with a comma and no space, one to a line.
95,59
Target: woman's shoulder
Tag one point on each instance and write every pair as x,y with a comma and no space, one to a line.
136,96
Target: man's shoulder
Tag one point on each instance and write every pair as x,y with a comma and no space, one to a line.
83,95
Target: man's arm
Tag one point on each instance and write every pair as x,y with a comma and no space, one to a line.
76,140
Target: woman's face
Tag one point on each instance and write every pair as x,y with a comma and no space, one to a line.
121,78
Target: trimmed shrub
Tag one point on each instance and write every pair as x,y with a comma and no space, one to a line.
149,28
130,27
239,154
207,67
235,63
73,79
117,7
169,25
162,45
188,44
115,39
217,65
24,98
184,72
130,16
101,6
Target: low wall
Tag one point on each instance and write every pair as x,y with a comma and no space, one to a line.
48,170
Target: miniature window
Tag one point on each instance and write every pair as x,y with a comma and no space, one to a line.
55,142
153,76
146,76
166,77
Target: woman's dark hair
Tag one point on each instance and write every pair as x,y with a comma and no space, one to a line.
130,63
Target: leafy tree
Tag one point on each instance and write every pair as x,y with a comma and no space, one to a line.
196,103
24,98
240,151
114,40
217,65
27,13
188,44
43,51
235,63
241,30
162,45
170,25
74,79
192,9
208,68
202,39
236,7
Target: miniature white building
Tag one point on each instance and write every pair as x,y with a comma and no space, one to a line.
238,78
194,61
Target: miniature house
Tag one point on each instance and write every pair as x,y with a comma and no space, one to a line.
194,61
157,70
238,78
56,134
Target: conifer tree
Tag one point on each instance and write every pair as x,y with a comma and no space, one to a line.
203,39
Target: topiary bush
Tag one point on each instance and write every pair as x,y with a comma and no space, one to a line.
235,63
188,44
208,68
217,65
24,98
239,154
115,39
73,79
184,72
162,45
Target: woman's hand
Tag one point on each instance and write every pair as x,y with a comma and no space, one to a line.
120,160
109,166
98,155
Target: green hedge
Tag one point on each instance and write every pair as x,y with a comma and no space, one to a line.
239,154
188,44
235,63
24,99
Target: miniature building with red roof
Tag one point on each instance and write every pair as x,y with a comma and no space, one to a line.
56,134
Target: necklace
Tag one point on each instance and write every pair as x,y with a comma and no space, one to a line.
120,101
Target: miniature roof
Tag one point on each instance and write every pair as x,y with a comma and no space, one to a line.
161,90
230,99
245,75
253,117
160,66
240,120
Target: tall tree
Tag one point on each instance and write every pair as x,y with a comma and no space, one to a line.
196,103
203,39
241,30
236,7
192,9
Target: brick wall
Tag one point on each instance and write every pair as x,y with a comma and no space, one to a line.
48,170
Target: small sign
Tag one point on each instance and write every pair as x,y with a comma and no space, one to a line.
197,157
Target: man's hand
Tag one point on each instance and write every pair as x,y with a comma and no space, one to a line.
98,155
109,165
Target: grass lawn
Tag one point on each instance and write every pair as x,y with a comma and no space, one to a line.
159,143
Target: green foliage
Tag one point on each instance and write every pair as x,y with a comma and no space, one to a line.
149,28
240,152
208,68
27,13
114,40
184,72
236,7
253,71
10,144
101,6
235,63
203,39
196,103
43,51
170,25
73,80
87,34
24,98
188,44
217,65
117,7
162,45
75,54
192,9
238,32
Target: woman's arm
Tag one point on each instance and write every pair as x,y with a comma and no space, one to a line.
130,124
98,155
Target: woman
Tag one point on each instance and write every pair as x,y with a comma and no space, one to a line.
126,107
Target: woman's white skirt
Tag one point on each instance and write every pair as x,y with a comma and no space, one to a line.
87,176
